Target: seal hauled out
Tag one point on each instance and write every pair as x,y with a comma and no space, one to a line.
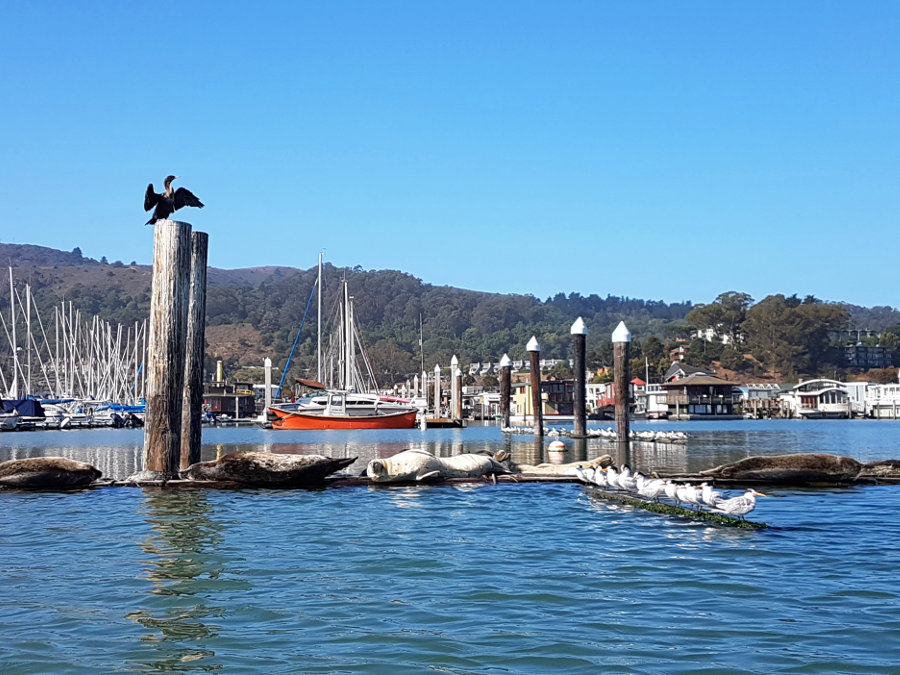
882,468
422,466
804,467
47,472
569,469
267,469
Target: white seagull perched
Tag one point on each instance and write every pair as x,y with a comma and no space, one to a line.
652,489
612,477
671,490
625,479
709,496
739,506
584,475
688,493
600,478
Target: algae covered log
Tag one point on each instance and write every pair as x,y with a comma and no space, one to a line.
680,511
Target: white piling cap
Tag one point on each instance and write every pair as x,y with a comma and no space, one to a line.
454,361
267,362
505,361
579,327
437,368
621,333
533,345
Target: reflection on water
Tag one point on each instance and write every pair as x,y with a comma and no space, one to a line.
117,452
182,563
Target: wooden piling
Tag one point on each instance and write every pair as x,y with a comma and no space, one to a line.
579,338
505,390
437,390
455,390
192,399
457,405
621,338
166,351
537,405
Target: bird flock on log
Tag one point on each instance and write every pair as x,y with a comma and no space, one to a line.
608,434
652,489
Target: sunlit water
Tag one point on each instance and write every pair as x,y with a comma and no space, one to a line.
509,578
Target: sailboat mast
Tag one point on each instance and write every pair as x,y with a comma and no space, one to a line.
319,331
14,388
348,340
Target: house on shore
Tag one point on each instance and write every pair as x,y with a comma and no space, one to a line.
701,396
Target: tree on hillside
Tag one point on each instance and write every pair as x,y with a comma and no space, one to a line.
791,335
725,314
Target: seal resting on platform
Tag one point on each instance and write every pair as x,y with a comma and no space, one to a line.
568,469
47,472
267,469
882,468
803,467
417,466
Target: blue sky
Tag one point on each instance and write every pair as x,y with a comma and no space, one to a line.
658,150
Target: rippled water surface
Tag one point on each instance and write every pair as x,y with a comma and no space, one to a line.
509,578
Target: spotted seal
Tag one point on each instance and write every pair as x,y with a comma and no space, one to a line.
803,467
568,469
882,468
417,466
267,469
47,472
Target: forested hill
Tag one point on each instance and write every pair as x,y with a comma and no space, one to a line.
256,312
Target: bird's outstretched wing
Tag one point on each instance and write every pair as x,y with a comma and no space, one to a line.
150,198
184,197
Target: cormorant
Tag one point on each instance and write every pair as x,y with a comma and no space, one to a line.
170,200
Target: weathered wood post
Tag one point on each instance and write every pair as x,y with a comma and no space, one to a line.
621,339
505,390
437,390
579,337
192,398
458,409
537,405
454,389
168,324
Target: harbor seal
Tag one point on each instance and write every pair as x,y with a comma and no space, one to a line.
418,466
47,472
882,468
804,467
569,469
267,469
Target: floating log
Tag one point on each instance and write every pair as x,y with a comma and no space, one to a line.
672,510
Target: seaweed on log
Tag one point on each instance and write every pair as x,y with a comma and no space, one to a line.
680,511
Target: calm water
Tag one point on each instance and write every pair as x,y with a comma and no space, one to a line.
529,578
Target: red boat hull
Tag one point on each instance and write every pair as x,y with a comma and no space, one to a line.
301,420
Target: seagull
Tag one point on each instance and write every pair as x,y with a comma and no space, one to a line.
671,490
709,496
584,475
739,506
600,478
625,479
652,489
168,201
612,477
688,493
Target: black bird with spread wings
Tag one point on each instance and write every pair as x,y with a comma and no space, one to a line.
168,201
